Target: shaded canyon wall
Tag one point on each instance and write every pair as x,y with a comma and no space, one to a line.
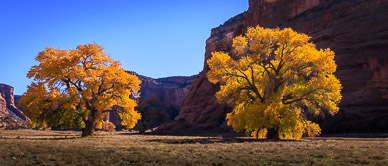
170,91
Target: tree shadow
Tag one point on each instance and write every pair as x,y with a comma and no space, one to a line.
42,138
356,135
202,137
131,133
212,140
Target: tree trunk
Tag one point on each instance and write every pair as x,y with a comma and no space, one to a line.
273,134
89,128
141,128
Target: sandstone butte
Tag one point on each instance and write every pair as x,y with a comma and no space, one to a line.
356,30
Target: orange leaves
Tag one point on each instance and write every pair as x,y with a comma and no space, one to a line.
74,80
130,117
273,76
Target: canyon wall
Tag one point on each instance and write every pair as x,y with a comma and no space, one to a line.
9,114
170,91
356,30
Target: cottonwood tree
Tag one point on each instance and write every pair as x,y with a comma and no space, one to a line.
76,88
272,79
152,114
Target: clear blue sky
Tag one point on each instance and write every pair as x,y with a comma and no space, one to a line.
153,38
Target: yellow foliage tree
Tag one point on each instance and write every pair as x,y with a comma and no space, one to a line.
77,88
273,78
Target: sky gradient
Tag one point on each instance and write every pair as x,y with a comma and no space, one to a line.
158,39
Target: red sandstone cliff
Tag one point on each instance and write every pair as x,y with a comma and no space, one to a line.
9,114
356,30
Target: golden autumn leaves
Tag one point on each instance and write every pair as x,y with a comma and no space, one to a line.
273,78
77,88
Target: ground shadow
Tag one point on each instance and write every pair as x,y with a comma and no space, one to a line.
192,132
212,140
357,135
41,138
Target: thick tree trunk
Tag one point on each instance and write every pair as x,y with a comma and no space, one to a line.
273,134
89,129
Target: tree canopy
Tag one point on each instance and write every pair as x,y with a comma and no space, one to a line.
152,114
76,88
272,78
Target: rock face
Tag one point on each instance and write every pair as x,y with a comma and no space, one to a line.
357,31
9,114
170,91
3,105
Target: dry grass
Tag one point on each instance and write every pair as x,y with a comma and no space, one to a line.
30,147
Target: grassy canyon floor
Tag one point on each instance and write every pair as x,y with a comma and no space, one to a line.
31,147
